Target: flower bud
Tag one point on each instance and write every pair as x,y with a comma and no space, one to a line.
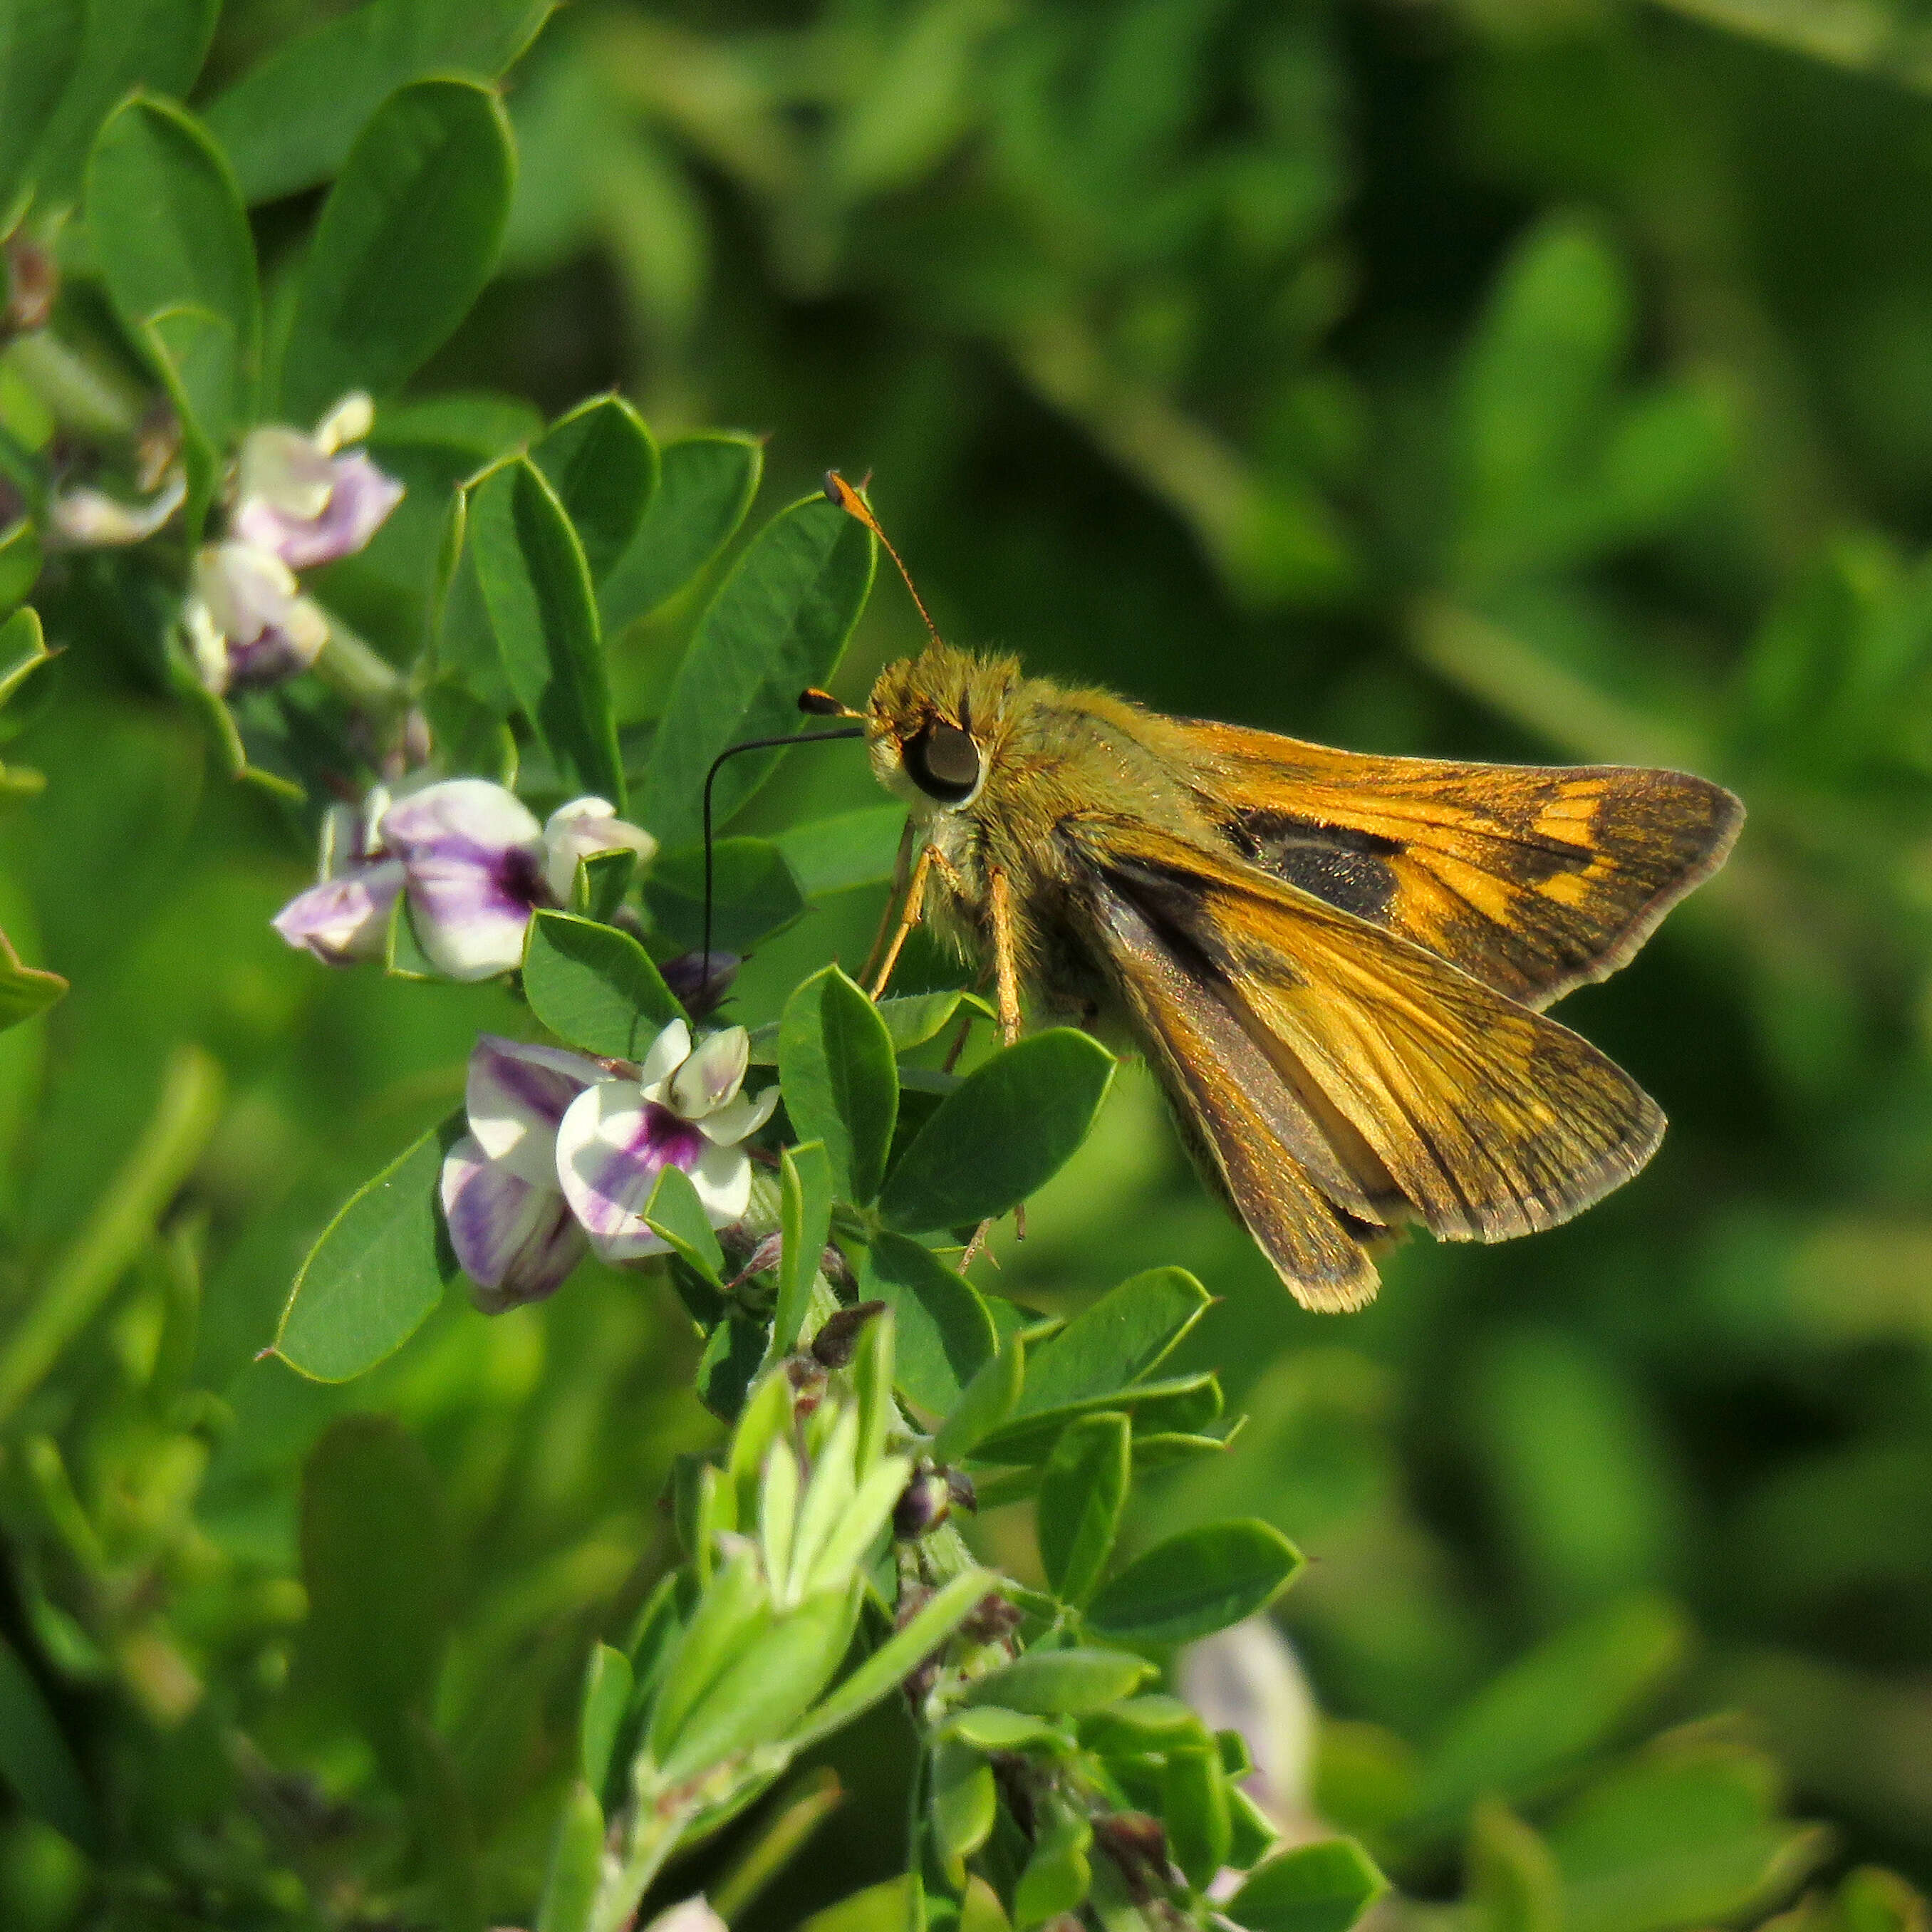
923,1505
838,1340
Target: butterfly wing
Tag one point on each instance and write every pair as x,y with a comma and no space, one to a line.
1532,878
1304,1042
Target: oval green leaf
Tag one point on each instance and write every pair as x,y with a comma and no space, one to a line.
380,1268
39,47
1081,1498
705,487
1061,1683
1324,1888
595,987
536,592
944,1334
778,623
1007,1128
404,244
603,464
1196,1583
841,1079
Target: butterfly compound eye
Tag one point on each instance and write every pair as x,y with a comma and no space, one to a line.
944,763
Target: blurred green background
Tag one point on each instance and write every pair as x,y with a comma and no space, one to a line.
1511,379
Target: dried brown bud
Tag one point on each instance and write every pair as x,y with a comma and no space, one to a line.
836,1342
991,1618
33,286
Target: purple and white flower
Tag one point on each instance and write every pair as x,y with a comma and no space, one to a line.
345,916
475,864
301,500
684,1109
509,1221
247,623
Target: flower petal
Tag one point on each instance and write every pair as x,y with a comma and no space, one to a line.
343,919
474,862
712,1074
89,518
581,829
611,1146
248,589
282,470
667,1053
515,1094
740,1118
516,1242
350,422
359,500
723,1179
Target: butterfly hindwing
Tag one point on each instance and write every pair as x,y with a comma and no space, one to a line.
1482,1117
1534,879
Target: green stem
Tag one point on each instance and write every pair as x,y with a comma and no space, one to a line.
361,675
82,396
650,1841
120,1225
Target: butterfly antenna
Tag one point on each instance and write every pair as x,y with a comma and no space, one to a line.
710,778
838,491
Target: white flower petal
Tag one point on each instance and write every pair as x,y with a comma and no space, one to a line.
518,1243
691,1915
284,470
712,1074
1246,1679
723,1179
88,518
740,1118
611,1146
350,421
581,829
471,816
209,647
475,873
667,1053
515,1094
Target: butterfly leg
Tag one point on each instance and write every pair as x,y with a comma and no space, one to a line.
1006,956
909,915
902,866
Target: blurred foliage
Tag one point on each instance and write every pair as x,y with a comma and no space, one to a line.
1503,378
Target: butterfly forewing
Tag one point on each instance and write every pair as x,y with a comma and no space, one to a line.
1533,879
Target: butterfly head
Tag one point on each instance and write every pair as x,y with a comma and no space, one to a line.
933,724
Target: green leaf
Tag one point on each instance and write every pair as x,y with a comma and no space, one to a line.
675,1214
1321,1888
1195,1809
374,1558
840,1078
1058,1874
36,1761
25,990
1005,1130
607,1698
536,596
1081,1494
1061,1683
754,894
380,1266
576,1864
963,1801
836,855
1689,1834
705,486
154,46
914,1018
603,464
899,1656
402,246
1514,1885
992,1727
805,1219
1180,1404
1567,1698
1118,1340
179,264
595,987
988,1401
945,1336
21,557
290,123
1196,1583
778,623
39,47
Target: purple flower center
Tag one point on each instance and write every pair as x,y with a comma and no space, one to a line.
665,1139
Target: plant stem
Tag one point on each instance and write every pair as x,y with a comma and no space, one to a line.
652,1839
361,675
82,395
